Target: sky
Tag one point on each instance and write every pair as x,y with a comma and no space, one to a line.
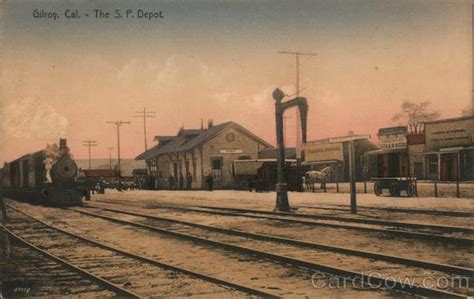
219,60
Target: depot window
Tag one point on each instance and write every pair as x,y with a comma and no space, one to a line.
216,163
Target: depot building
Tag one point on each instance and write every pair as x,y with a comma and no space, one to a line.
391,159
200,152
334,152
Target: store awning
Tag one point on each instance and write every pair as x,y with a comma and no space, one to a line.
449,150
387,151
320,162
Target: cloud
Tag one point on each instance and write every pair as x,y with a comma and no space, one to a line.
31,119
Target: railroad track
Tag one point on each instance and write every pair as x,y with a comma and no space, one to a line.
393,209
27,272
117,270
397,224
467,272
291,218
223,242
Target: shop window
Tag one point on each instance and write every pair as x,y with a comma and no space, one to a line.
216,163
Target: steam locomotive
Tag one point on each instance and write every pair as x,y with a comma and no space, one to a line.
46,177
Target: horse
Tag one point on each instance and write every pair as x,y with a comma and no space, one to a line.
312,176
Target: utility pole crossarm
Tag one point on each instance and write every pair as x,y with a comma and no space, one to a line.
297,55
118,123
145,114
89,143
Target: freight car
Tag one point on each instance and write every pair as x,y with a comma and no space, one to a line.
45,177
261,174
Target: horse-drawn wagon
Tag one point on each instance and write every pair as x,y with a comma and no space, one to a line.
395,185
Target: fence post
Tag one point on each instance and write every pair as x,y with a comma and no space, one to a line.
416,188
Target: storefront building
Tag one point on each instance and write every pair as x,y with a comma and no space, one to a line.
391,160
416,153
334,153
449,149
200,152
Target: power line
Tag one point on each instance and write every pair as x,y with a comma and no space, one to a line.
118,123
89,143
145,114
297,57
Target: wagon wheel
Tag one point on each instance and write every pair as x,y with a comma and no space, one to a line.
411,190
377,188
394,189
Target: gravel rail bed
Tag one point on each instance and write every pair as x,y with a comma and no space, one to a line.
26,272
115,267
436,252
280,279
336,261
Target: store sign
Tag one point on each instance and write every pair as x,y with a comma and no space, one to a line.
230,151
449,137
348,138
393,141
323,152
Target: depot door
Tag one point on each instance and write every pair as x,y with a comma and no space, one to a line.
216,166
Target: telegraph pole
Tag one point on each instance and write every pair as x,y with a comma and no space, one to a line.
89,143
118,123
145,114
352,177
298,131
110,157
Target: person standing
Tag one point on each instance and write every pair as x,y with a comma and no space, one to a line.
210,182
171,182
189,181
181,181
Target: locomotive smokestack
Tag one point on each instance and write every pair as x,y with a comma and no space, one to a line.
62,143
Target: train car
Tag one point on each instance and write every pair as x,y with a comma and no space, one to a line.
261,174
267,177
245,172
46,177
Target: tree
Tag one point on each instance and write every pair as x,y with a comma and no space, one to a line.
414,115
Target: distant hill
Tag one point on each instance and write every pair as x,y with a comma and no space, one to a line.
127,165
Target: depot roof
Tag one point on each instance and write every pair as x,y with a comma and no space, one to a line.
190,138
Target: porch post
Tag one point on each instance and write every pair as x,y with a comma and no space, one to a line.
439,167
